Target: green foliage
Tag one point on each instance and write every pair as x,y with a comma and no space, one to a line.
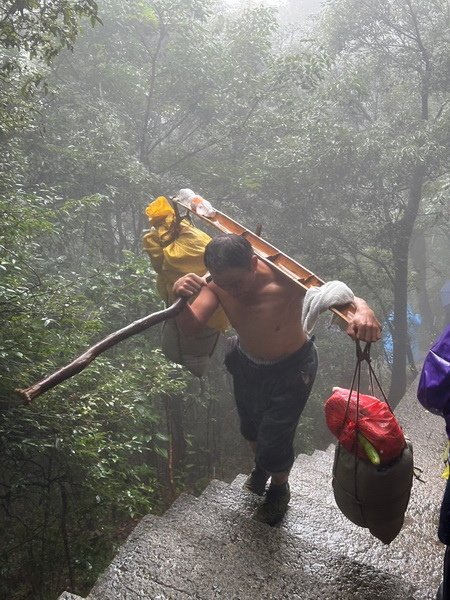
318,139
84,461
32,33
40,29
83,457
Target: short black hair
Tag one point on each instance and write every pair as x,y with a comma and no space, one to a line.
226,251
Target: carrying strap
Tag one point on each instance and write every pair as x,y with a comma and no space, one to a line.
363,355
173,231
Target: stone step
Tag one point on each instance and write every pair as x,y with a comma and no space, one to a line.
324,525
425,430
181,505
305,473
210,548
151,564
305,479
207,552
309,485
232,496
323,461
305,491
311,477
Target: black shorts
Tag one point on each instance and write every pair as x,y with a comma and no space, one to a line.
270,399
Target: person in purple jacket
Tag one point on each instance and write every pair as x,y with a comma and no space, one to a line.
434,394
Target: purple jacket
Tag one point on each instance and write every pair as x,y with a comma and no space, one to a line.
434,384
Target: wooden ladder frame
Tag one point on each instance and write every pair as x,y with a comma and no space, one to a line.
271,255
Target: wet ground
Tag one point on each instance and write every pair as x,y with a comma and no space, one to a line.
209,547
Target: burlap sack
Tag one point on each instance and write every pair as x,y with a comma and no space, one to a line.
193,352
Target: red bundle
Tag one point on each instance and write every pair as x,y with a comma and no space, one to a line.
372,419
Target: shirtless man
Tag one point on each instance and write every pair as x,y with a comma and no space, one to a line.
272,362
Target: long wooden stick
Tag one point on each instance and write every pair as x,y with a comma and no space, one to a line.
82,361
268,253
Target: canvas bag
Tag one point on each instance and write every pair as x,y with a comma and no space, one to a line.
372,496
193,352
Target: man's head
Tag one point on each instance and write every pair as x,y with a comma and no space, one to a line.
230,260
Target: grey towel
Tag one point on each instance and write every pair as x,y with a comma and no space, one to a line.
319,299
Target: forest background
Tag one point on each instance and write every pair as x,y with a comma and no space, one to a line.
333,134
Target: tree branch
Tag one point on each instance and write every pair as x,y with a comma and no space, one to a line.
80,363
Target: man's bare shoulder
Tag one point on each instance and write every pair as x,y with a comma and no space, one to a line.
281,282
209,293
214,289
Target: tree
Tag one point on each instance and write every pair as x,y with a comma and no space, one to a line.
403,111
79,465
32,33
39,30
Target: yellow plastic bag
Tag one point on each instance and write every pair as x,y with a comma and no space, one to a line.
176,248
159,209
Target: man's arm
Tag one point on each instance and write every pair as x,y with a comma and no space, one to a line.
195,316
364,325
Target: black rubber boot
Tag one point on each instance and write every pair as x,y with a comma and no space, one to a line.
275,504
256,481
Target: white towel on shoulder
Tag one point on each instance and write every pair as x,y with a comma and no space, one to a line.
319,299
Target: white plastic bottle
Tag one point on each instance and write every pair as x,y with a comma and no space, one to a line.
185,196
202,207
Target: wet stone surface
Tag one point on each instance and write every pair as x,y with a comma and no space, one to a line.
217,553
209,547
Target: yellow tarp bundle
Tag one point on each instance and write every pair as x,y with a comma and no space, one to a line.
176,248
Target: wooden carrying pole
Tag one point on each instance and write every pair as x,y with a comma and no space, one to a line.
279,261
82,361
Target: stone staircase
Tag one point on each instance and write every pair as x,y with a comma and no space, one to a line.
209,548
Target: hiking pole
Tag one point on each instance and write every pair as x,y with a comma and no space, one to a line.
82,361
